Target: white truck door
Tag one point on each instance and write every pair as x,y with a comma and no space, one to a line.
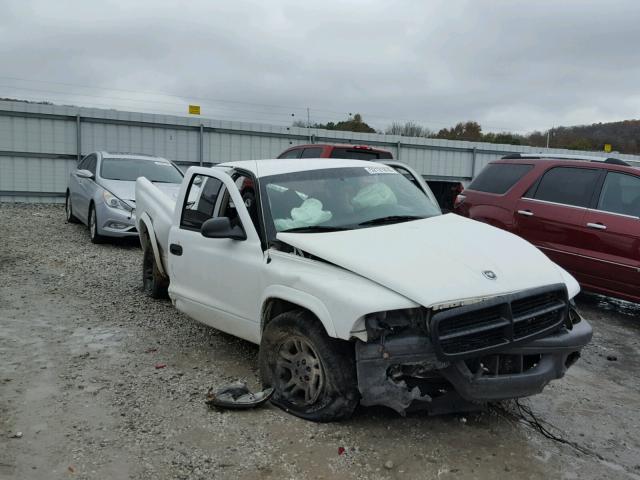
217,281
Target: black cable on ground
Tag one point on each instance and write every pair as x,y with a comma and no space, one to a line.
524,414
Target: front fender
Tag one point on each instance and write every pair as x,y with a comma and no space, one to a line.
146,220
304,300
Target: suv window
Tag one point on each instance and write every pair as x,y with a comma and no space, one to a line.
315,152
359,154
200,201
295,153
567,185
499,177
620,194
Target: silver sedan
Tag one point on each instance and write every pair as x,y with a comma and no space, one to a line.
101,191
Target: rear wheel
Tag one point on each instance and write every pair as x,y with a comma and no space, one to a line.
314,376
93,226
154,283
68,210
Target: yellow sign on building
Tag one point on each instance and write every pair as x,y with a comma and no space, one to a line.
194,109
607,147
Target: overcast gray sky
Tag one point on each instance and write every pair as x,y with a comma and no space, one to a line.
510,65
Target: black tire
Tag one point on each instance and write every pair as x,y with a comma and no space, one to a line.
68,210
154,283
93,226
290,339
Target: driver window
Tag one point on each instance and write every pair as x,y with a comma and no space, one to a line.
91,164
204,195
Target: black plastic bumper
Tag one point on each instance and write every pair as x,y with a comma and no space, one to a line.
556,353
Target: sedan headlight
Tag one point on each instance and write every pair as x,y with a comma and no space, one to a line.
114,202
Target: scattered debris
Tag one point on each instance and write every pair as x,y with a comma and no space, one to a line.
388,465
612,358
15,435
160,365
71,469
151,350
237,396
341,450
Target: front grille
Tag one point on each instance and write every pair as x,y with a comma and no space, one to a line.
498,323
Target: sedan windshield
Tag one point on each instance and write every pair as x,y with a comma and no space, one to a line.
130,169
342,199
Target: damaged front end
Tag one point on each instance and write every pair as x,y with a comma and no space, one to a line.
460,358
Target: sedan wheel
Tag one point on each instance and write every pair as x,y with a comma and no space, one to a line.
93,226
68,210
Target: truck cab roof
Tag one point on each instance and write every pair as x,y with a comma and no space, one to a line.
277,166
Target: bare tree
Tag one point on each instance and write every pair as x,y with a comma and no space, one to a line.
407,129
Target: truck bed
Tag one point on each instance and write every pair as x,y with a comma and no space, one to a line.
154,211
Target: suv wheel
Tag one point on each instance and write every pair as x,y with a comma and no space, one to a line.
314,376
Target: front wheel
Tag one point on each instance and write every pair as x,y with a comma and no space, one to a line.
314,375
93,226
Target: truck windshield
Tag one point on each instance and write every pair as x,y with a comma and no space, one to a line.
342,198
129,169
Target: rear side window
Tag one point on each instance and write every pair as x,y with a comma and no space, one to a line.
315,152
620,194
295,153
568,185
201,201
499,177
359,154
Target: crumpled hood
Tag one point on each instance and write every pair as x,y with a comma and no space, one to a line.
436,260
126,190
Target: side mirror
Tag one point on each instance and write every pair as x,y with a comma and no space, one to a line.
84,174
220,227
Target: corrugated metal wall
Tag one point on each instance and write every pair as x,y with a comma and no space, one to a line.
39,145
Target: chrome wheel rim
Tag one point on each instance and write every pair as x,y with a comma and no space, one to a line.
299,371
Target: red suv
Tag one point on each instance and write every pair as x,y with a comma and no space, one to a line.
444,191
581,212
359,152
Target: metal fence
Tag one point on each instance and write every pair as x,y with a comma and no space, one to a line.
41,144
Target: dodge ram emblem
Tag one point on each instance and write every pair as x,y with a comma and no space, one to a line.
490,274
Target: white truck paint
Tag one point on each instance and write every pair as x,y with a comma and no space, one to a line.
341,277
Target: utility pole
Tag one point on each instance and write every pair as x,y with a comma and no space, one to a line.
309,125
548,136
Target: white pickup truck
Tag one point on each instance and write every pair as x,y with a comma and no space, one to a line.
357,288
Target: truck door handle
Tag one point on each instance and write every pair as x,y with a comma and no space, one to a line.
597,226
526,213
175,249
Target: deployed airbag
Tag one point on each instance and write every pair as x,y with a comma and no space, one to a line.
308,214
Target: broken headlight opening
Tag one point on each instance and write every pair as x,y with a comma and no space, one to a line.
381,324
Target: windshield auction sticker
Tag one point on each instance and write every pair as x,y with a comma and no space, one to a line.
379,170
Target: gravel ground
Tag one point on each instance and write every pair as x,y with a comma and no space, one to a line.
80,345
